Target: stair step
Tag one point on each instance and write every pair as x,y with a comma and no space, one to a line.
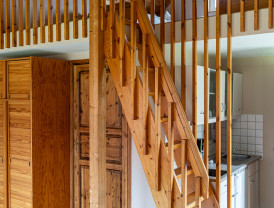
179,174
151,93
177,144
138,45
164,119
139,68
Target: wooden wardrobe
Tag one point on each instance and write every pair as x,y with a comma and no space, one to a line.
34,133
118,143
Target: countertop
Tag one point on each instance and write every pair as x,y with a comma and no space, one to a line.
236,165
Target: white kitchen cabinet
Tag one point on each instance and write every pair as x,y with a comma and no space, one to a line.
253,186
237,94
240,189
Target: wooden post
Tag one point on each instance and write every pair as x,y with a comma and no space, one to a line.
66,19
170,152
194,68
111,28
162,25
122,42
58,20
229,102
50,21
242,15
172,41
218,103
7,21
27,21
206,107
20,22
84,19
75,19
14,25
270,14
183,52
42,22
256,14
97,100
1,24
184,173
34,22
197,192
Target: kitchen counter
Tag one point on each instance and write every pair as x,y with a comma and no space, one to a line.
236,165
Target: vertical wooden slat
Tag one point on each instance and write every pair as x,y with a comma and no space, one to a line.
197,192
5,153
184,173
34,21
256,14
133,59
145,93
172,40
183,52
13,22
158,129
66,19
152,13
242,15
206,105
42,22
111,27
27,21
21,22
170,135
103,9
7,22
218,103
194,68
270,14
122,41
50,21
75,19
1,24
84,18
229,102
162,25
58,20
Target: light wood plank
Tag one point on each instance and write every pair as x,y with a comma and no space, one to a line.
34,22
84,19
50,21
122,41
172,40
20,22
197,192
162,25
2,24
75,19
14,24
7,22
184,173
111,27
103,10
183,52
170,135
58,20
256,14
66,19
242,15
42,22
270,14
27,21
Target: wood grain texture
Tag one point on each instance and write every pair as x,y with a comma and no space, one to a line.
270,14
20,22
75,19
242,15
42,22
162,25
27,21
14,22
34,22
84,19
183,52
50,128
122,41
7,23
50,21
2,79
2,25
58,20
66,19
172,42
256,14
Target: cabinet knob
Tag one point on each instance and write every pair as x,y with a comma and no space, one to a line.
252,181
202,113
238,109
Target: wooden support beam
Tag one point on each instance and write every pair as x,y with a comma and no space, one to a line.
218,103
170,135
84,19
242,15
111,28
14,24
158,129
34,22
21,22
7,22
206,103
27,21
152,13
1,24
162,25
58,20
75,19
270,14
103,10
133,59
122,42
145,93
5,145
50,21
184,173
42,22
229,102
66,19
198,192
256,14
97,101
183,52
172,40
194,68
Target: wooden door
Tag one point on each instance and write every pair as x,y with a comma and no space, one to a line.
118,168
19,153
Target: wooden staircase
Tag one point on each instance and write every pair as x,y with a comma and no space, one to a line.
153,109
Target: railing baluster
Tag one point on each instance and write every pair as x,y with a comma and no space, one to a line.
66,19
183,51
170,135
75,19
42,22
270,14
111,29
162,25
27,21
84,19
1,24
7,21
145,93
34,21
133,59
122,41
158,129
20,22
172,41
58,21
50,21
152,13
103,9
242,15
14,24
256,14
197,192
184,173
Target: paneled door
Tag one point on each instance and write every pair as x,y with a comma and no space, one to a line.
19,154
117,144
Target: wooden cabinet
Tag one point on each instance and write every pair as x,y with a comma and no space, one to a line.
34,133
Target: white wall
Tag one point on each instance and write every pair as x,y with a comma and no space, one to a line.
258,98
141,196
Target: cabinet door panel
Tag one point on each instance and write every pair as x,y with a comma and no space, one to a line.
2,80
237,94
18,79
114,188
3,156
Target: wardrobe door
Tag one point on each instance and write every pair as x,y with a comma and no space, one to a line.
18,79
19,150
3,155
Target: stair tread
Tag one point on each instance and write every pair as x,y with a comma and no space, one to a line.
179,174
176,144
